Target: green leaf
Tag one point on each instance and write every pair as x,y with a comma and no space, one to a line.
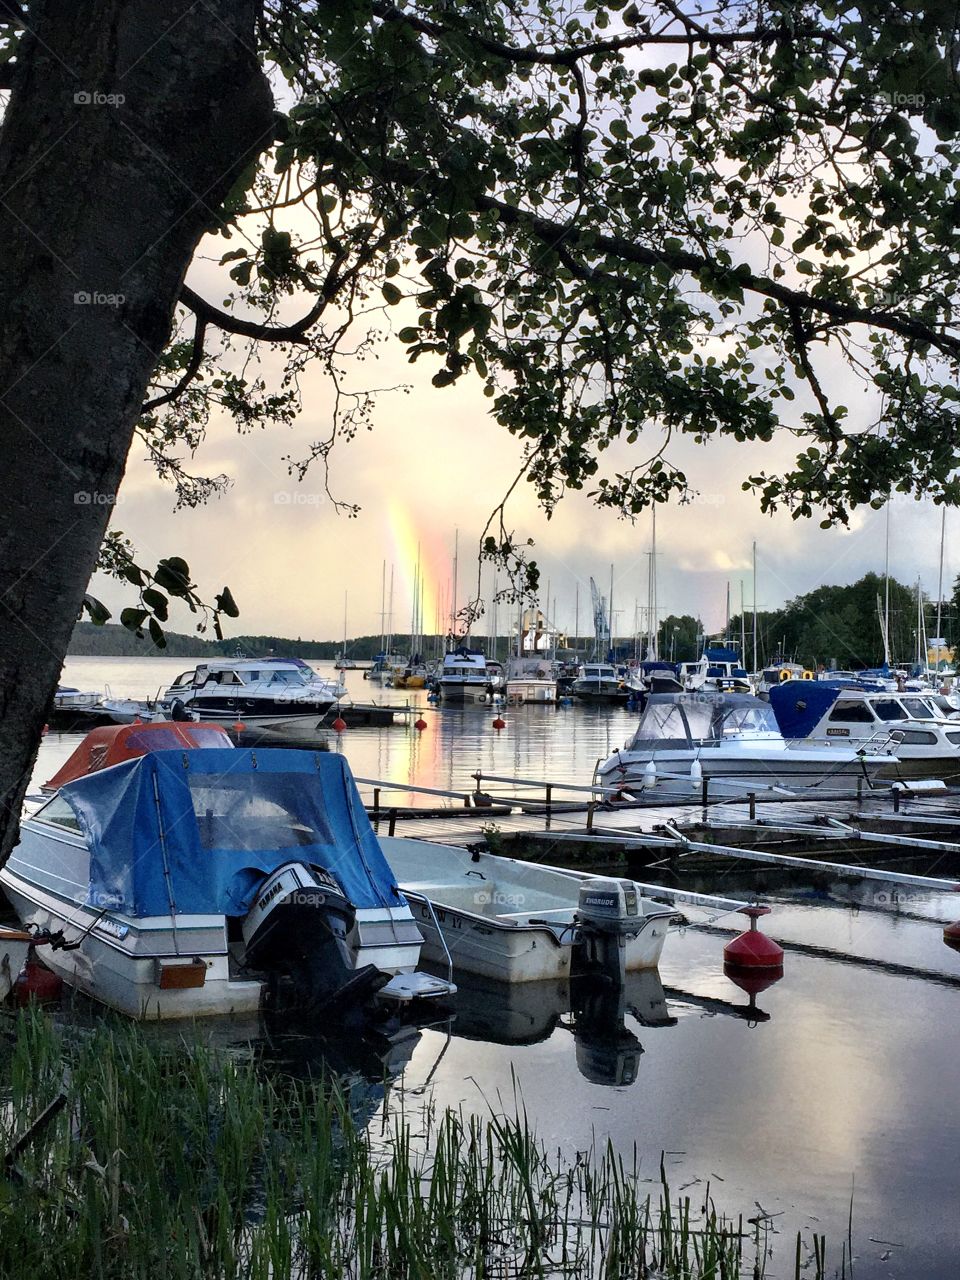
157,601
226,603
392,294
133,619
156,634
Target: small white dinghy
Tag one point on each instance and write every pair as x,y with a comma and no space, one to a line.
517,921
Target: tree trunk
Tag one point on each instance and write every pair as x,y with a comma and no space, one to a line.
128,123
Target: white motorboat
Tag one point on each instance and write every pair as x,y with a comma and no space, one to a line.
192,882
599,682
731,739
517,921
917,730
465,677
283,698
531,680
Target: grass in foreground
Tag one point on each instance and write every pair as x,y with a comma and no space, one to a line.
178,1162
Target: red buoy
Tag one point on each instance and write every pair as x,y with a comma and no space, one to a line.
499,723
339,724
239,726
420,724
753,981
753,949
951,935
37,983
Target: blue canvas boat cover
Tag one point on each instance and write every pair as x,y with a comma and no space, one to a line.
201,829
800,705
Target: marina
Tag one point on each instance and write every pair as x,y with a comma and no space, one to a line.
816,1058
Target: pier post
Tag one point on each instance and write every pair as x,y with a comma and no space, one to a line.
752,797
392,827
704,791
376,804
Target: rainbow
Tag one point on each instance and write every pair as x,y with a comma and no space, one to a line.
407,536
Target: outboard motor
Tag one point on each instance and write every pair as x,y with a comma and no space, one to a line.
608,913
608,1052
297,931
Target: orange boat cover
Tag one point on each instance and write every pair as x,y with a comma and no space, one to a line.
113,744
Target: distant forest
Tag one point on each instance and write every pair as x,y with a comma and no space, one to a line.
834,625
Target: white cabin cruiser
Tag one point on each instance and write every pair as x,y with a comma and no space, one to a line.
193,882
730,739
465,677
914,728
281,697
599,682
517,921
531,679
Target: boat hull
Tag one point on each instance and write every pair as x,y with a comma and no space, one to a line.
13,954
502,918
792,770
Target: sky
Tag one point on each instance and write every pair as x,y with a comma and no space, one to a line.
429,474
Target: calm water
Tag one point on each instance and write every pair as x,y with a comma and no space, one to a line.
841,1082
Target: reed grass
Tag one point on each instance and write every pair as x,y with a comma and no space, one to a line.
183,1163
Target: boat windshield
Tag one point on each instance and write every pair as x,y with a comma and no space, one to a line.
255,811
889,709
288,677
919,708
708,721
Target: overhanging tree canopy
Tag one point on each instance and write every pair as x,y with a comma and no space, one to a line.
631,221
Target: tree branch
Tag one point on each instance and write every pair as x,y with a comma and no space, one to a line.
189,373
210,314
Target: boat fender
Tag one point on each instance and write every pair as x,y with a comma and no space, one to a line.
37,983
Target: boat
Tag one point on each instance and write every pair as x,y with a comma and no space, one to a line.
383,667
516,921
112,744
283,698
725,671
465,678
217,881
598,682
730,739
916,729
595,1014
344,664
531,681
14,947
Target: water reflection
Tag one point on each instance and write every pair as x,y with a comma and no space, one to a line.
607,1051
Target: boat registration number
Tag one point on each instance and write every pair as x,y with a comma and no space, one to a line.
838,733
113,928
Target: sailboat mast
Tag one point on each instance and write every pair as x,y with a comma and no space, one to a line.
654,618
939,635
886,590
610,619
453,600
743,626
756,666
383,608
